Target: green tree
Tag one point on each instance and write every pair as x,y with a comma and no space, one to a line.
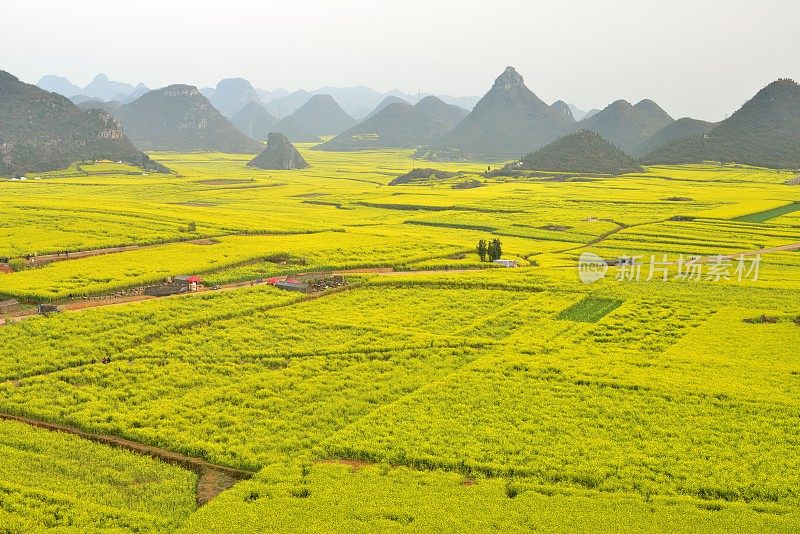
495,250
482,249
498,248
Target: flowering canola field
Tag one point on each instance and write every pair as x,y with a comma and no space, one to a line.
463,397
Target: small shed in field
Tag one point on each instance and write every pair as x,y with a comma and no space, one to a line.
191,283
292,285
506,263
9,306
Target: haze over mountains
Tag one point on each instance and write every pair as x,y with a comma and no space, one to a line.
100,87
398,125
179,118
389,100
255,121
321,115
508,121
232,94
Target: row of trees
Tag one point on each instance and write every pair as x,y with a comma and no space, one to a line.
490,250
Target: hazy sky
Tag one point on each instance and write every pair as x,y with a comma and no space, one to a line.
700,58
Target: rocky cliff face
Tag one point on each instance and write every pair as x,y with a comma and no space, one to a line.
110,127
42,131
280,154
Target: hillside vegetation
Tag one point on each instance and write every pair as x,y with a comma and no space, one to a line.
42,131
627,126
507,122
397,125
680,129
581,152
765,131
254,121
178,117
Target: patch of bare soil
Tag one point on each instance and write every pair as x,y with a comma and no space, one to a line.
211,483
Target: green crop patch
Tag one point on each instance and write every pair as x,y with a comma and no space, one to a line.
589,310
764,216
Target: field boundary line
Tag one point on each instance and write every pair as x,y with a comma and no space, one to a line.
213,478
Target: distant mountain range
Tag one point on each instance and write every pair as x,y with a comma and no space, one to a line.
255,121
179,118
389,100
232,94
100,87
43,131
508,121
398,125
59,84
565,109
685,127
320,115
448,114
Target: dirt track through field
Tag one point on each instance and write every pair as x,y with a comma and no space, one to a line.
380,271
79,254
100,302
213,478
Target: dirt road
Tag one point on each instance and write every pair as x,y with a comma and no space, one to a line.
38,261
97,302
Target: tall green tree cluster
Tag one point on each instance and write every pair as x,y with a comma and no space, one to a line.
489,250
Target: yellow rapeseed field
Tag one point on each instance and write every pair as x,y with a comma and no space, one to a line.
457,394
